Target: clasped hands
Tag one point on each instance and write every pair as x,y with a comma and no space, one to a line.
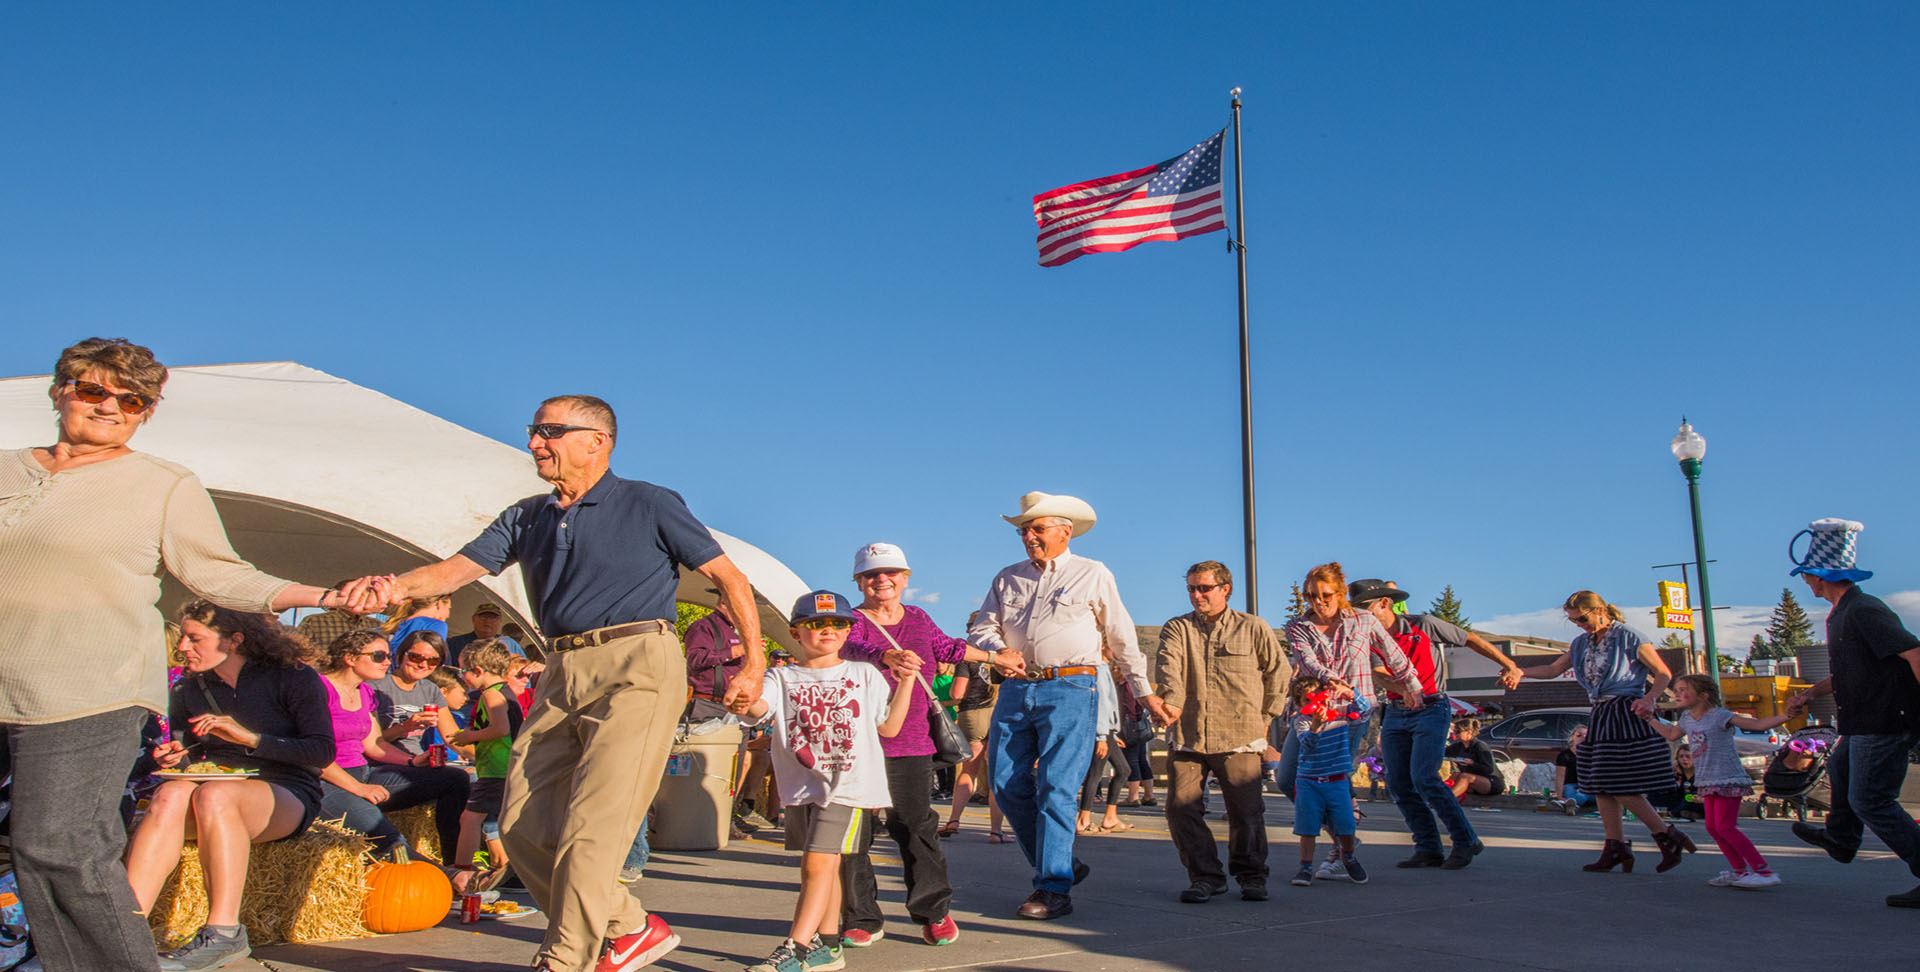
365,595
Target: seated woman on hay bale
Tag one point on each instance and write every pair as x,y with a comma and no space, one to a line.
369,776
246,704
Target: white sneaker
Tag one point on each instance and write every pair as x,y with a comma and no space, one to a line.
1725,879
1755,882
1331,871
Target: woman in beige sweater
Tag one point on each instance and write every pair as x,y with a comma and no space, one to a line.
86,524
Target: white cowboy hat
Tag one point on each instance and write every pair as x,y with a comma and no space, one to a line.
1037,504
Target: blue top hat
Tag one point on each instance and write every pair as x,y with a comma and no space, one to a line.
1831,550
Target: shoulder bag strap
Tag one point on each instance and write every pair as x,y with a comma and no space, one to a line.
921,675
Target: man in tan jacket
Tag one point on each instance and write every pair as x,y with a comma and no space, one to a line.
1223,677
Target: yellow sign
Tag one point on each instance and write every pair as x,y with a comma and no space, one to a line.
1676,609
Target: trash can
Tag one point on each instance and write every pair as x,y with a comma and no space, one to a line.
693,810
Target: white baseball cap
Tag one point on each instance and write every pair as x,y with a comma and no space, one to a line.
879,556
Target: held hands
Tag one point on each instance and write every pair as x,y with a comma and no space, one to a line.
1510,678
1797,703
905,664
208,724
365,595
1009,663
743,690
1163,714
1644,708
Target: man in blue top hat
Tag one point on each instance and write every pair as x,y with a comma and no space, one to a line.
1876,687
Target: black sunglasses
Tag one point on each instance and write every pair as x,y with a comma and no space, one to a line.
376,657
93,393
554,430
1203,588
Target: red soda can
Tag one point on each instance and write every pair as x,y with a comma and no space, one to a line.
436,755
470,909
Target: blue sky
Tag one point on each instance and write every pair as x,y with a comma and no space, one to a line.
1496,250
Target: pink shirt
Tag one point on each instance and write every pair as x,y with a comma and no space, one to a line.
349,728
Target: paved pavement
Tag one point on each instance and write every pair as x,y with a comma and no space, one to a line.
1524,904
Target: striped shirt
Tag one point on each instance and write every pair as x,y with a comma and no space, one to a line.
1328,752
1357,645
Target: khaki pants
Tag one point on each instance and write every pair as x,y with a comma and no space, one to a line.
1240,777
585,768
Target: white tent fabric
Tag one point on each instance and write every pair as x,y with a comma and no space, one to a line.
303,468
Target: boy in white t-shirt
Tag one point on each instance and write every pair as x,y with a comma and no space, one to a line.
826,717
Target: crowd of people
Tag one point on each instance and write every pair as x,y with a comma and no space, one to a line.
267,729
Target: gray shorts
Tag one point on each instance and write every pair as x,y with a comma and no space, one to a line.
832,829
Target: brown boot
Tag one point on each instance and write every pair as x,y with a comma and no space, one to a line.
1616,852
1673,844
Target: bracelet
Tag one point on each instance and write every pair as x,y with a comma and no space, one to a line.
322,602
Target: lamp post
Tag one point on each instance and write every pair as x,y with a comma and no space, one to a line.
1690,447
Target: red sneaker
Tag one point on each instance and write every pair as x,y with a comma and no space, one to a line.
640,948
855,938
942,932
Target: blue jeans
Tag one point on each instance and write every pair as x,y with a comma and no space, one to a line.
1050,722
1412,744
1289,766
637,855
1867,771
1579,797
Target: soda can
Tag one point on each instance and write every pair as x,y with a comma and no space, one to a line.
436,755
470,909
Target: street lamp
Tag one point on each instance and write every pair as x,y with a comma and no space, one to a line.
1690,447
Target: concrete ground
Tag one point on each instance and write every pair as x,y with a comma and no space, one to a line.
1523,904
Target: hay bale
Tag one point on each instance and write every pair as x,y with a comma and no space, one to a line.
416,825
305,890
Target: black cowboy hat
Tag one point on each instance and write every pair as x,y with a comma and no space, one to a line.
1373,589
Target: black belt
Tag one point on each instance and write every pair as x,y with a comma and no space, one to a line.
600,636
1335,778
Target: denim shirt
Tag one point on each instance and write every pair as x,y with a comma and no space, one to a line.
1611,668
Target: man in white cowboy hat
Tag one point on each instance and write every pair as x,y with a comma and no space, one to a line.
1058,611
1876,686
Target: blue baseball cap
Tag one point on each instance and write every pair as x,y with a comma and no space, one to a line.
821,604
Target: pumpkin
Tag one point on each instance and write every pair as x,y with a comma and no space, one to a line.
405,895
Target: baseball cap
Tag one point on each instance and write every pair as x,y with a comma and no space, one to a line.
879,556
488,607
821,604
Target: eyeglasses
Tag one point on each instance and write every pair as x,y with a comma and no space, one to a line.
554,430
419,659
376,657
816,624
1203,588
1036,528
93,393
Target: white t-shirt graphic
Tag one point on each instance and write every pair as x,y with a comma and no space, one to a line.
826,742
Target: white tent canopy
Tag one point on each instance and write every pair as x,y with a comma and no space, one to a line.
303,468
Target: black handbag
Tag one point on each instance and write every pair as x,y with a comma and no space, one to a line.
950,748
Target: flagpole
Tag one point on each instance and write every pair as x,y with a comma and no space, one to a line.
1239,246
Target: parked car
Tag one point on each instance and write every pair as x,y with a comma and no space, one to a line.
1536,736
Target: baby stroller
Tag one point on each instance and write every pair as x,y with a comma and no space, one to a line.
1796,776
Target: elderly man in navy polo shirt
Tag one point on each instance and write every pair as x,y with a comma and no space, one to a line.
601,557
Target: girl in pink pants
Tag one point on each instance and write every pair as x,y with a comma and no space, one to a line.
1718,776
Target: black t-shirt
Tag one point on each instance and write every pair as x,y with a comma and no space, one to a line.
1873,686
1479,758
1571,763
979,688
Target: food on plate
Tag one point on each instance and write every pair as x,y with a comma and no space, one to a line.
208,766
501,907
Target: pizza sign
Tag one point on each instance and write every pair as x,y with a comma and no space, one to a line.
1676,608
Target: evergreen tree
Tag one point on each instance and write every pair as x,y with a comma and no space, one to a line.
1296,604
1447,607
1789,630
1760,648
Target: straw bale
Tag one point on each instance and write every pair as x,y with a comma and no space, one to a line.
305,890
416,825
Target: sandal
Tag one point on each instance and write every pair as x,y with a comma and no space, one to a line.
949,828
998,837
1119,827
1086,830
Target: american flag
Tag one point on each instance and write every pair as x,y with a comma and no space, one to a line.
1171,201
